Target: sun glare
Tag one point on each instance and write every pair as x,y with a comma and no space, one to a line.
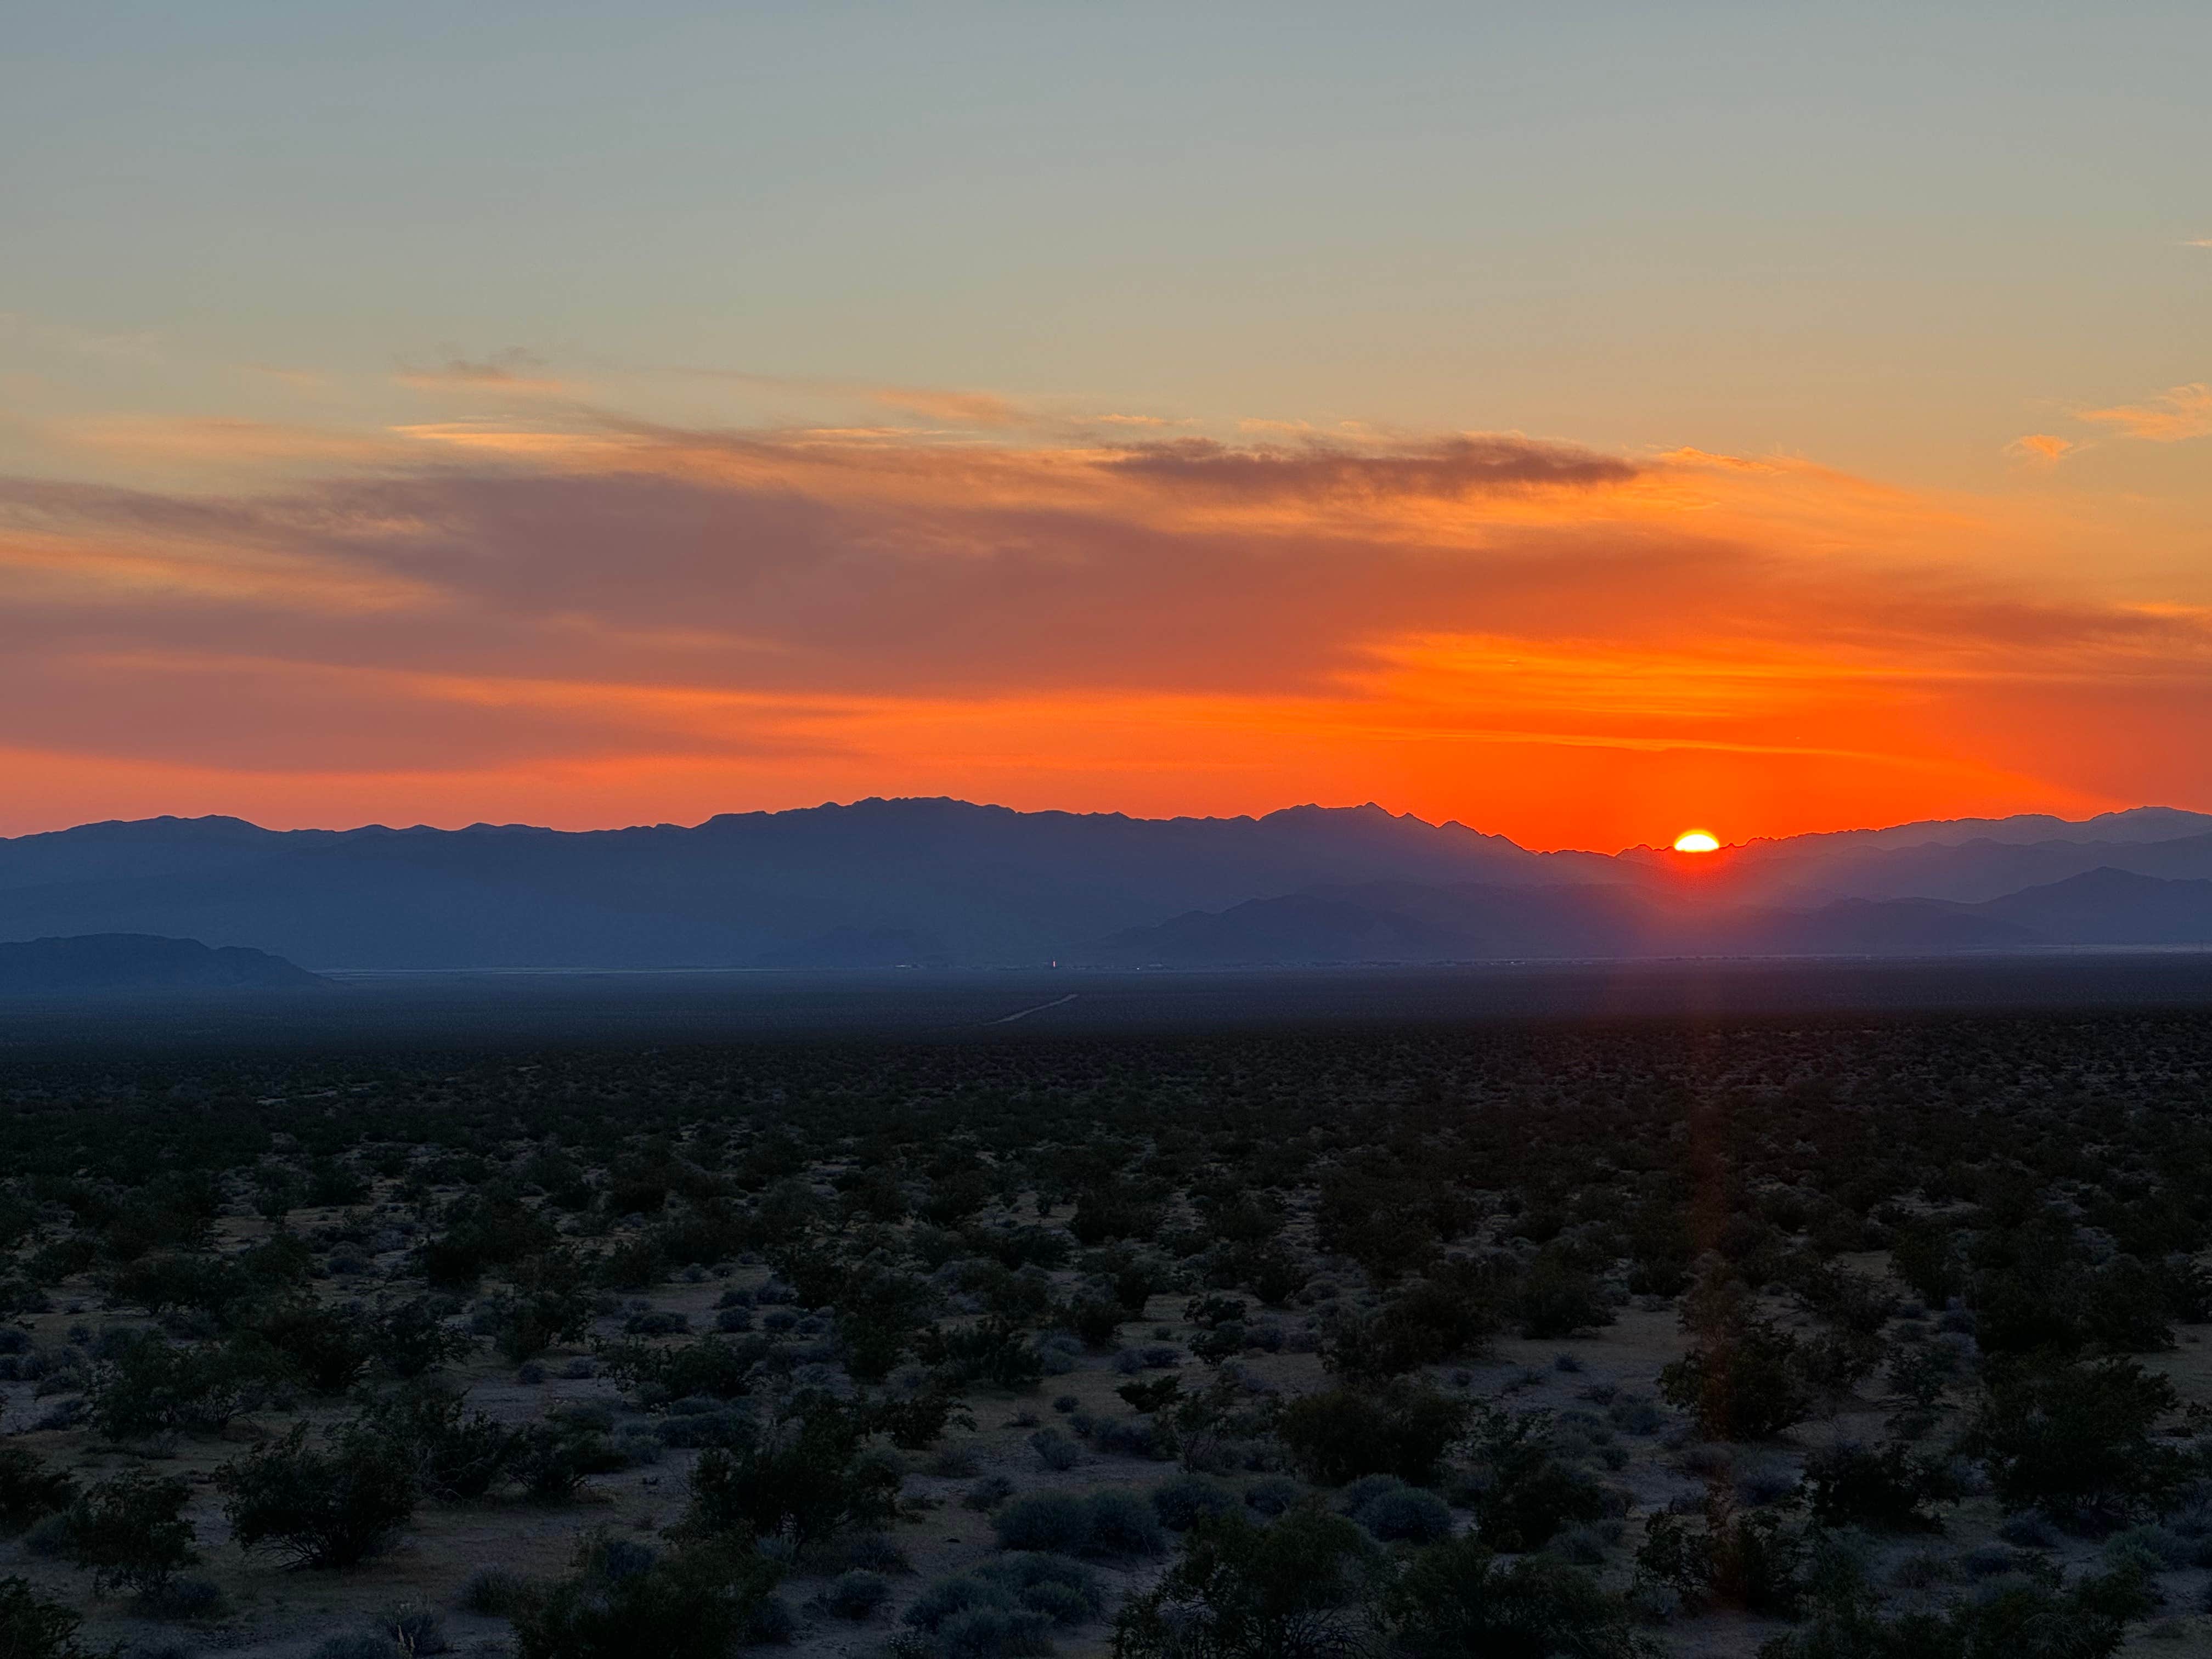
1696,841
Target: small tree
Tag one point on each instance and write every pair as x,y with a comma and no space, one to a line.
2079,1439
332,1506
1747,1382
1404,1429
454,1452
31,1627
149,1387
1530,1493
699,1603
410,1338
1297,1589
29,1490
131,1532
1892,1489
803,1476
1456,1598
1755,1561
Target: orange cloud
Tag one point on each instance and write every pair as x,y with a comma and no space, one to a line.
2184,412
2042,448
588,618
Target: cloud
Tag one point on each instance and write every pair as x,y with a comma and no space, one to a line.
1446,469
2043,448
514,372
486,612
967,409
2184,412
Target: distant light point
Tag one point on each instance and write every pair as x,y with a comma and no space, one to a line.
1696,840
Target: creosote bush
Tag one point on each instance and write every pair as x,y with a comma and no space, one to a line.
330,1505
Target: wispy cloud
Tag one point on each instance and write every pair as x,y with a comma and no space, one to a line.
488,611
1447,468
514,372
2043,448
2183,413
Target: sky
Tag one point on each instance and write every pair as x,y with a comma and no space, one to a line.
1581,421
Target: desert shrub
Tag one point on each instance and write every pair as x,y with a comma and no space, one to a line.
1404,1514
856,1593
1097,1319
709,1424
131,1532
147,1387
1272,1494
495,1592
34,1626
188,1595
1294,1589
1748,1382
410,1338
918,1421
413,1630
1056,1449
1109,1522
354,1644
455,1453
1555,1299
710,1367
702,1600
552,1460
988,1494
1456,1598
1181,1504
1450,1312
1892,1489
1107,1212
1007,1606
1122,1523
1120,1436
334,1505
994,1351
1054,1522
2079,1440
1153,1394
28,1489
550,1301
802,1474
1339,1434
2022,1619
481,1232
1725,1557
322,1348
1525,1491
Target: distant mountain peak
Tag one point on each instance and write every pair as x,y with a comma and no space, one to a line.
100,963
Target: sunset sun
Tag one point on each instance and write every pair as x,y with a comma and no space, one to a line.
1696,840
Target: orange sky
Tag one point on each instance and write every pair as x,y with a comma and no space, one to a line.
539,610
1579,422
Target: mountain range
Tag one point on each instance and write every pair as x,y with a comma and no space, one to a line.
884,883
100,963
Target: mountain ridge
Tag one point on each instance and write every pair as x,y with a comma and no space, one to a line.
882,881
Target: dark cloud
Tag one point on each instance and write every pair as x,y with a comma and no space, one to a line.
1446,469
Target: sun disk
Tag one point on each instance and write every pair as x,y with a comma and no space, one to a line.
1696,840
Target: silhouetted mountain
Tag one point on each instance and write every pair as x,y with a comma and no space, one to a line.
2111,908
1400,923
140,962
889,883
978,883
